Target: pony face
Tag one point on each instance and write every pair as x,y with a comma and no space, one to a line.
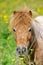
21,28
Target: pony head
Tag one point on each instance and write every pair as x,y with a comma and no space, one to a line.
21,27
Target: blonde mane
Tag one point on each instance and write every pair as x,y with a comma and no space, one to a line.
20,16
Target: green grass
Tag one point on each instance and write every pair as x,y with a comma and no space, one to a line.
7,41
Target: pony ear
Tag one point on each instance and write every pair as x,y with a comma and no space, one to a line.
14,12
30,13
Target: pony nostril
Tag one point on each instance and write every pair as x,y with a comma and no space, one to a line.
18,50
23,50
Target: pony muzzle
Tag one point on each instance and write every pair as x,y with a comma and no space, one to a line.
21,51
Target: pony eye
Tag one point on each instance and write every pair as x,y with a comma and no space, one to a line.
29,30
14,30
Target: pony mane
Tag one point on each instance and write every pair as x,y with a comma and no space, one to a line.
38,28
20,16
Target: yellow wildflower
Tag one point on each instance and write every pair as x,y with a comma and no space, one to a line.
13,60
39,10
32,49
21,59
6,18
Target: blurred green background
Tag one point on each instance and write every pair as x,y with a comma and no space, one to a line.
7,41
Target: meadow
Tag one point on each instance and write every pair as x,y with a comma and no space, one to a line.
7,41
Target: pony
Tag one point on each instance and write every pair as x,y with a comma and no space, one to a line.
28,33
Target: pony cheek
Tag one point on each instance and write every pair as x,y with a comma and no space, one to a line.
29,36
15,36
